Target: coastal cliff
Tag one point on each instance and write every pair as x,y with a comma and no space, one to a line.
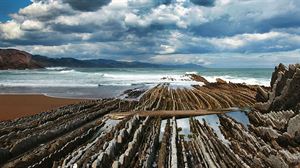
16,59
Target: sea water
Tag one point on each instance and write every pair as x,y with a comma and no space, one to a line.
110,82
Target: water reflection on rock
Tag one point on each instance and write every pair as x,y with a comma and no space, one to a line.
212,120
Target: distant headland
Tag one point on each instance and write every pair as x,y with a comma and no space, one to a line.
17,59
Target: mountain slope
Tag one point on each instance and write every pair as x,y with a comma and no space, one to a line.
16,59
101,63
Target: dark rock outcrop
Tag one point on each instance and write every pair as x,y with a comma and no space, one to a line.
260,146
133,93
285,90
15,59
198,78
262,95
221,81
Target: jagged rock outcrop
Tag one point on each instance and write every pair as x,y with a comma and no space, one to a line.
221,81
284,94
261,146
294,126
262,95
198,78
277,120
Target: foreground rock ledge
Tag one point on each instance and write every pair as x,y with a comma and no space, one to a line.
83,135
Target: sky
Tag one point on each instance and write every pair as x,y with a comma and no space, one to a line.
212,33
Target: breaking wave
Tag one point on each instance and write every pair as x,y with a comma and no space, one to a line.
64,77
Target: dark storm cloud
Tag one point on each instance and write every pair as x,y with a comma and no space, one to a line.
47,39
226,26
166,2
87,5
221,27
91,28
203,2
287,20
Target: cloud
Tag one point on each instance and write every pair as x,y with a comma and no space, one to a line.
153,30
180,59
147,3
43,11
32,25
10,30
172,16
222,60
84,5
204,2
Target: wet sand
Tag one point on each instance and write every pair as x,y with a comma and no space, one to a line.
14,105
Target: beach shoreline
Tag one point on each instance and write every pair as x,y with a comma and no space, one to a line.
15,105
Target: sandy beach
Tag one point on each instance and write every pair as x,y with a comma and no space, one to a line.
15,105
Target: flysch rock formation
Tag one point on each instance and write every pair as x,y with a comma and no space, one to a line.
261,146
285,90
211,96
83,135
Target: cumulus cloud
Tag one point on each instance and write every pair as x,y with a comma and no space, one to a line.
32,25
156,30
171,15
45,11
10,30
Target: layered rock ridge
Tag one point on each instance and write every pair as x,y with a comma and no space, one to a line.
285,90
83,135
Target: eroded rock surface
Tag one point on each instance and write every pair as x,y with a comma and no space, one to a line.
285,90
261,146
211,96
82,135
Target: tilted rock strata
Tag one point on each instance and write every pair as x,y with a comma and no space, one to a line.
260,146
198,78
52,131
164,146
208,150
212,96
82,135
79,134
134,142
285,90
277,120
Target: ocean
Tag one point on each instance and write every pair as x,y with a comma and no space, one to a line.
111,82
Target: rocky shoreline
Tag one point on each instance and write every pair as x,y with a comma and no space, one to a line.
83,135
